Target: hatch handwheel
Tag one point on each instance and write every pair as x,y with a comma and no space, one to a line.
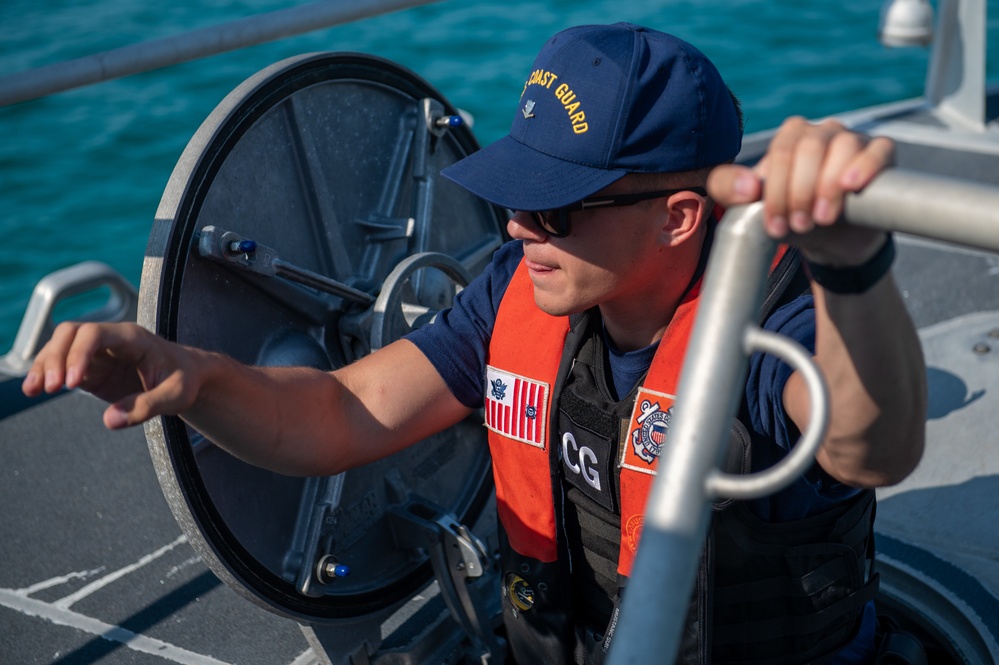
398,310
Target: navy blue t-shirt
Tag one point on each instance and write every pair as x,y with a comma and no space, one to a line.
457,341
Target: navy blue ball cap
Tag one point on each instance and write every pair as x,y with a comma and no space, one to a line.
602,101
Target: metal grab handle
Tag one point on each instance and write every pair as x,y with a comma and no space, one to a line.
719,484
38,322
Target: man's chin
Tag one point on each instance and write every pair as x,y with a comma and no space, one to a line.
555,307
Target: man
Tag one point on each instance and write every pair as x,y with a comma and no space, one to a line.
618,132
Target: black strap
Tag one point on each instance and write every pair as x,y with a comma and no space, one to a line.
786,282
852,280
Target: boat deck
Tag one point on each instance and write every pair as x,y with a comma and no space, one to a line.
95,569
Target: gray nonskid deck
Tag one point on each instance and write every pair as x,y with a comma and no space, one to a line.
95,569
937,541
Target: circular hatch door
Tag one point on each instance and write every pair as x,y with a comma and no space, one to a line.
305,224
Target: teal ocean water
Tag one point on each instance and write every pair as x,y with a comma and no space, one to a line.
81,172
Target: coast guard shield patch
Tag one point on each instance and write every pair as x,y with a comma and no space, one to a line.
516,407
648,430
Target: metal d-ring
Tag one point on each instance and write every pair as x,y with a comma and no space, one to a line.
754,485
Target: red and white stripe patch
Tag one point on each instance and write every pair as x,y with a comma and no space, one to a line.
516,407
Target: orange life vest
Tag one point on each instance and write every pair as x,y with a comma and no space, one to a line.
524,357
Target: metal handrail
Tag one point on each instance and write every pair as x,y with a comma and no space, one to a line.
39,317
678,510
172,50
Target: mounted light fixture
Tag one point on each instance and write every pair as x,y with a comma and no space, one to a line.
906,23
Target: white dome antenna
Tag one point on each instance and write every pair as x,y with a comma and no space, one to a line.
906,23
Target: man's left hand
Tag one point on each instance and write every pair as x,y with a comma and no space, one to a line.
803,179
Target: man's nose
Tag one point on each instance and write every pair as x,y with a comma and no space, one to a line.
522,226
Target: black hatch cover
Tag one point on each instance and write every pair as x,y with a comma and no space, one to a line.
305,224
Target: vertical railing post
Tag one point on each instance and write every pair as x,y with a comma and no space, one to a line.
679,507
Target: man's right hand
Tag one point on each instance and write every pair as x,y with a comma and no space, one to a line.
293,420
142,375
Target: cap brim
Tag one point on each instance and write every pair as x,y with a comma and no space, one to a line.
512,175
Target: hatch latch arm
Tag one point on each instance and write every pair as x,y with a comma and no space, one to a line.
465,573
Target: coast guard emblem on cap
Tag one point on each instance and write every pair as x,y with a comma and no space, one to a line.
516,406
528,109
650,421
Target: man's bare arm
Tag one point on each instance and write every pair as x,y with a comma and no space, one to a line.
297,421
872,361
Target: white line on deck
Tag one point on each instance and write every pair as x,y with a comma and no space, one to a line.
97,585
56,581
194,560
59,613
307,657
15,600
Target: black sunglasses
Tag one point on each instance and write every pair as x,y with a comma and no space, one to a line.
555,222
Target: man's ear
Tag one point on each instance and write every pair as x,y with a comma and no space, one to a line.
688,212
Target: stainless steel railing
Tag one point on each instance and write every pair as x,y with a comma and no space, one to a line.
725,333
156,53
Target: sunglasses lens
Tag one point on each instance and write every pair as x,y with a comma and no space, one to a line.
560,221
553,222
550,222
541,219
556,222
